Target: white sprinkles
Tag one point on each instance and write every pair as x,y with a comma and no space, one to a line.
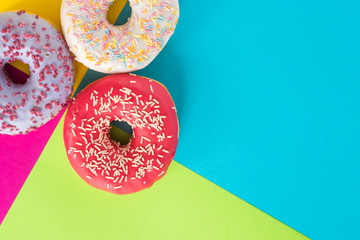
104,157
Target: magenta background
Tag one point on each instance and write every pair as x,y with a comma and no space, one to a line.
18,156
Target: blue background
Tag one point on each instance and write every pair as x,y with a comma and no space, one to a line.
268,97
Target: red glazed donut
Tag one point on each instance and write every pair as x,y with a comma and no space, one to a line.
103,163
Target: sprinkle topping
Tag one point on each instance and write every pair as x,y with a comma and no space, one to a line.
34,41
107,162
108,48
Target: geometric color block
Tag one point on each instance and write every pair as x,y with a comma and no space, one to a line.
56,204
268,97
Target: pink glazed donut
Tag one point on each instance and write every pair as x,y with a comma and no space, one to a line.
34,41
144,104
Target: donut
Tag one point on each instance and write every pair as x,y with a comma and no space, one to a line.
105,164
106,48
33,41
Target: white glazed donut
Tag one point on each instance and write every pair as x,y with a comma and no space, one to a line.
34,41
106,48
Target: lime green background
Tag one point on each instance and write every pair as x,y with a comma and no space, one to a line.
56,204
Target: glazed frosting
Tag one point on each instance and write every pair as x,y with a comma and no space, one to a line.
103,163
106,48
34,41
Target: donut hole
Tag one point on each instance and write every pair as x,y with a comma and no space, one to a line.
124,15
17,71
121,132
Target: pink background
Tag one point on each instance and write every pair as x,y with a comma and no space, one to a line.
18,156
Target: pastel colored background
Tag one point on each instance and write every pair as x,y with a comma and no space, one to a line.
268,100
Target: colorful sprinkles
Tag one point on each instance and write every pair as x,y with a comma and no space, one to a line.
108,48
